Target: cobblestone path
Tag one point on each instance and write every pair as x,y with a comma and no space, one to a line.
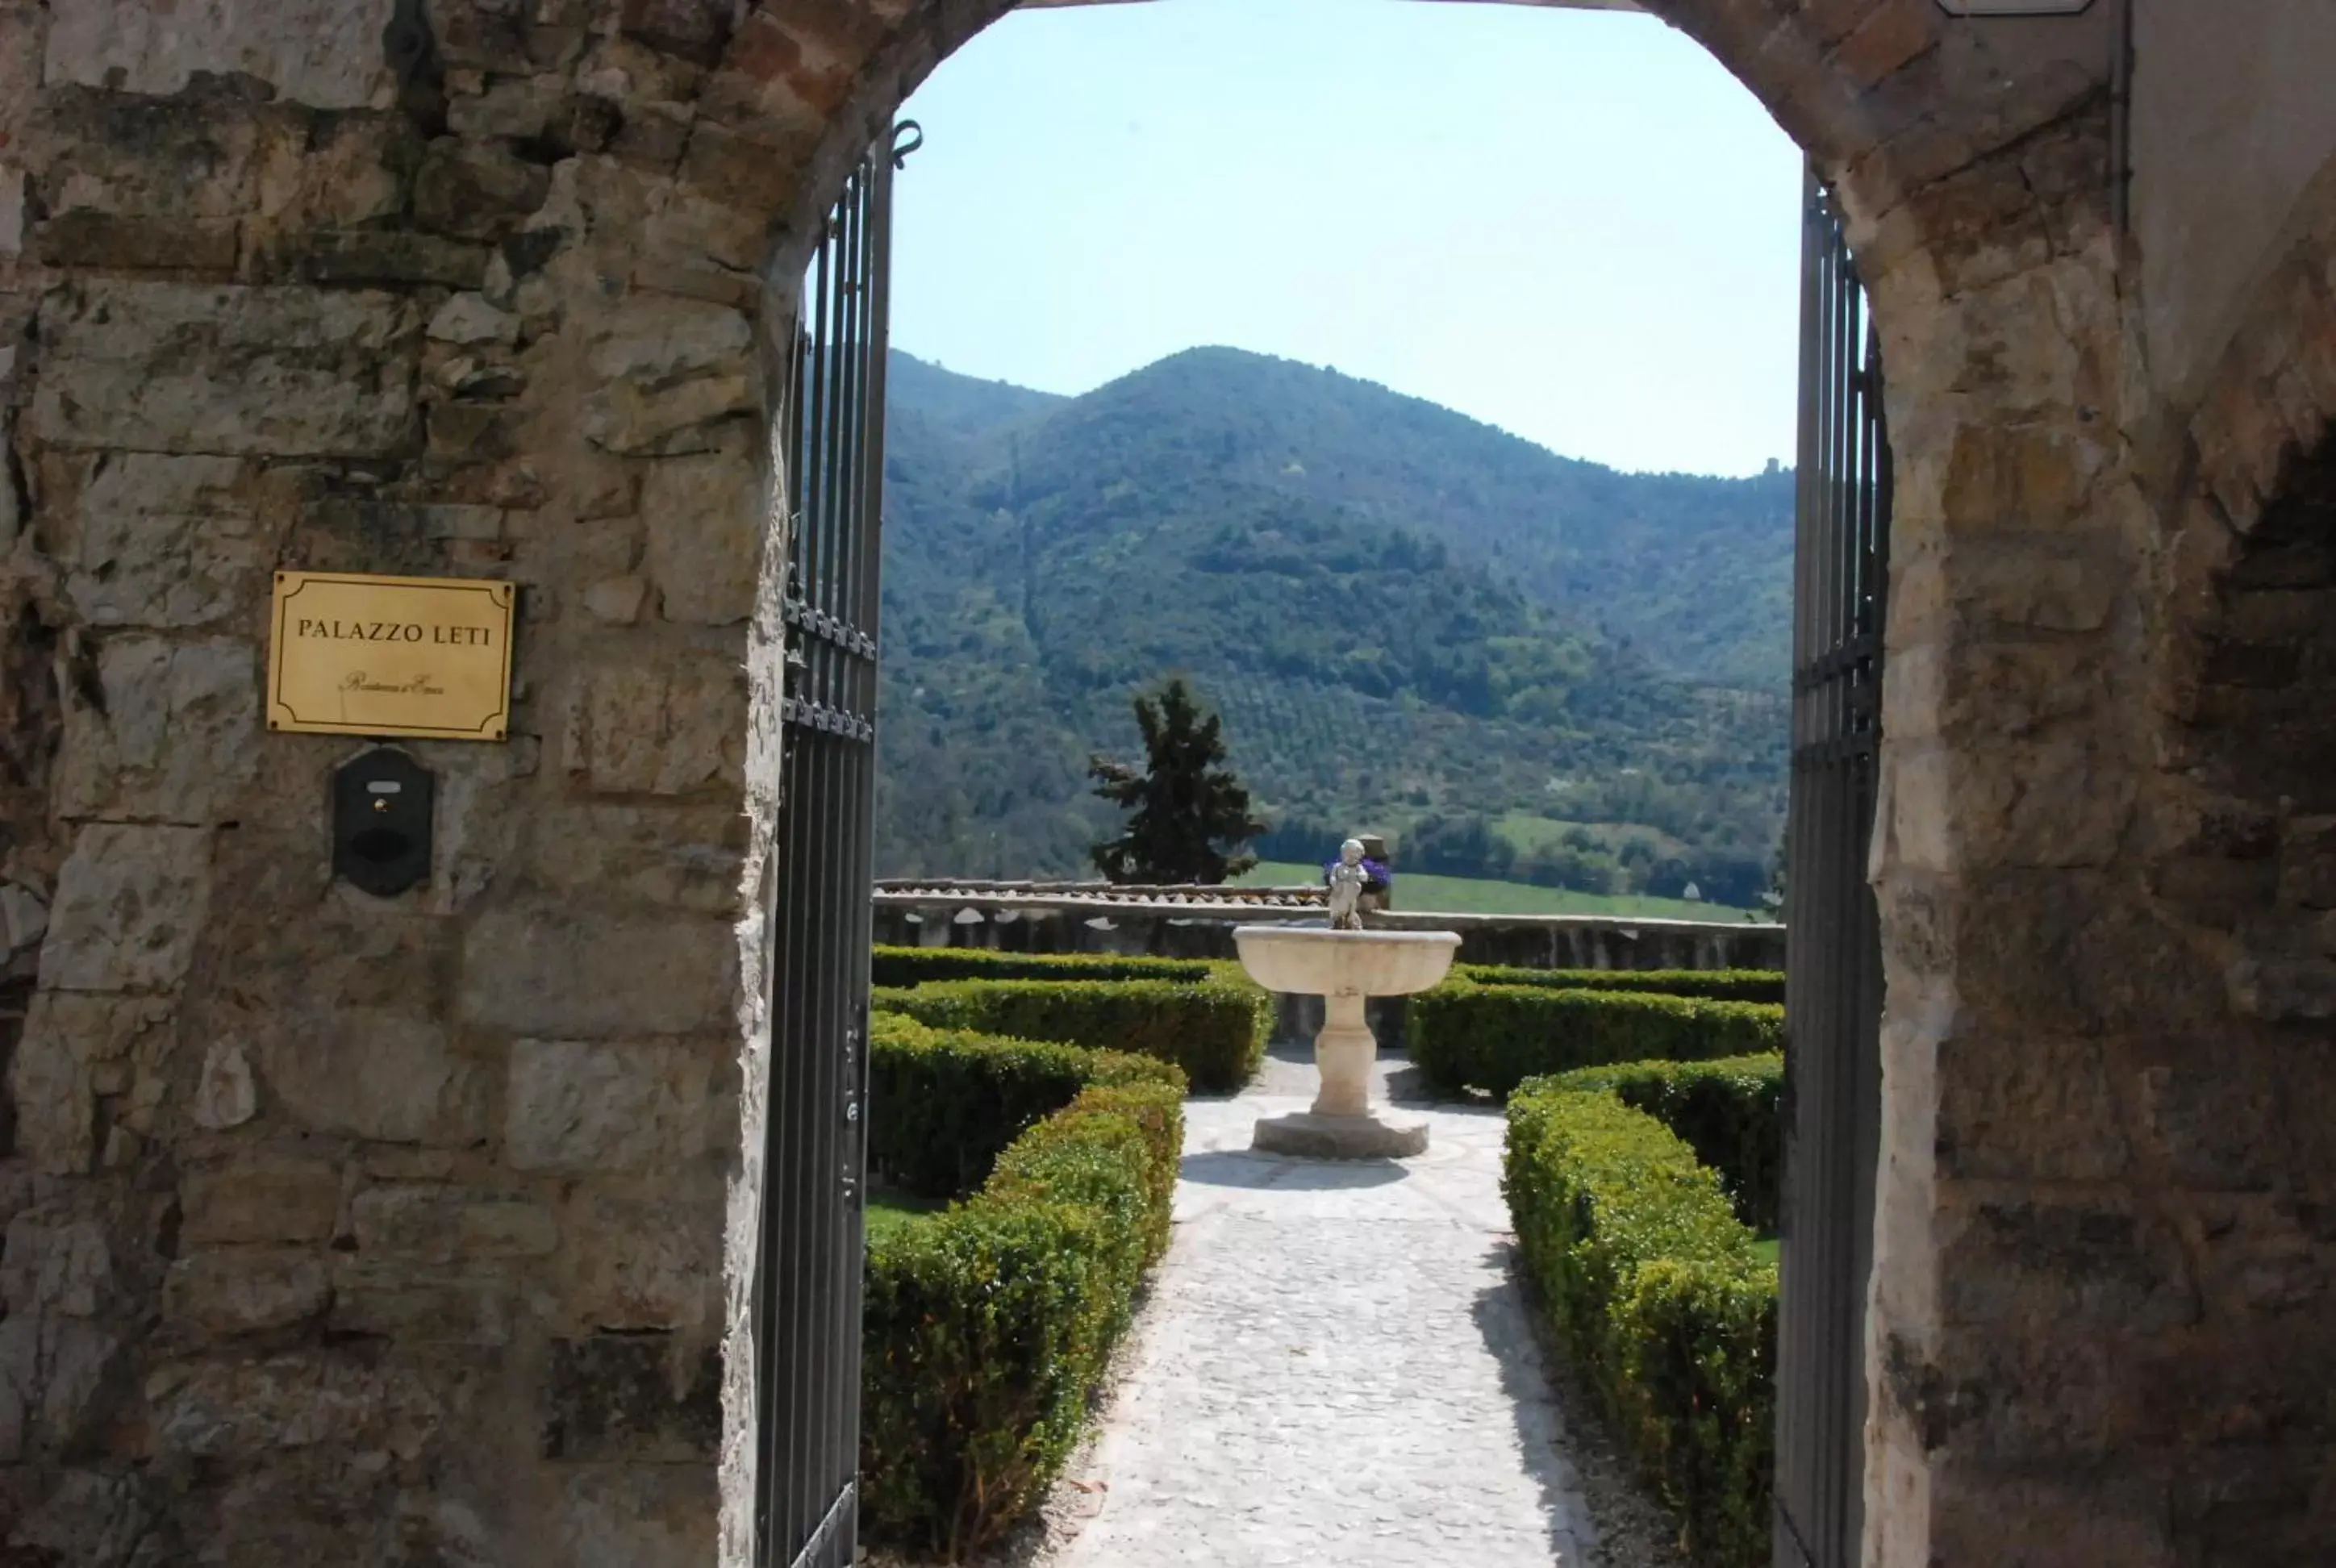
1333,1367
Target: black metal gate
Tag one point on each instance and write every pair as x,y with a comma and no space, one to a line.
807,1282
1833,989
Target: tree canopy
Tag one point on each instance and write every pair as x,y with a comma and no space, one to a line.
1188,815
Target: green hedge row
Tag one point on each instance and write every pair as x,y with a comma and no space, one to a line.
1719,985
1465,1035
896,966
1730,1112
985,1328
1215,1029
1656,1290
943,1103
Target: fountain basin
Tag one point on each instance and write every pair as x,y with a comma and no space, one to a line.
1343,967
1316,961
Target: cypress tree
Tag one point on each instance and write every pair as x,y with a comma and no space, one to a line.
1188,815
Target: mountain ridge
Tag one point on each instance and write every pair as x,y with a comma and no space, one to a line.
1425,600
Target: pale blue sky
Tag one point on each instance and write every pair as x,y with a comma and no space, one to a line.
1573,225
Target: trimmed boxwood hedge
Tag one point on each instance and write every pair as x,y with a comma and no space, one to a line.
985,1328
898,966
1719,985
1465,1035
1215,1029
943,1103
1729,1112
1655,1289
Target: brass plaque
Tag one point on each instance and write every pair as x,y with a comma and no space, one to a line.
408,656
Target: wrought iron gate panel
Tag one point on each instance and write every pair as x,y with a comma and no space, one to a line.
808,1281
1832,990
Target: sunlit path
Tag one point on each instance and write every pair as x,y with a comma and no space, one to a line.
1335,1366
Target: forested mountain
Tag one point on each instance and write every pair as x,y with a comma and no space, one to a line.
1411,621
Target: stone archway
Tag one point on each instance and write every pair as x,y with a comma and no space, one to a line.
330,1222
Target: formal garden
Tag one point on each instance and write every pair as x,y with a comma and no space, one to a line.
1027,1122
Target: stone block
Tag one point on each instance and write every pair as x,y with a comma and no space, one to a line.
556,968
2255,1261
191,368
2101,1266
2061,952
56,1267
419,1308
582,1106
261,1200
694,30
469,319
57,1361
476,191
641,1264
389,256
2307,863
676,420
2027,1108
682,857
24,918
356,172
196,158
119,242
166,542
226,1095
326,54
241,1409
706,526
657,341
473,431
617,600
129,902
374,1072
244,1289
653,135
173,741
431,1222
2215,1125
73,1045
520,109
626,1516
54,1377
2059,1521
2283,990
665,726
2057,801
638,1398
12,210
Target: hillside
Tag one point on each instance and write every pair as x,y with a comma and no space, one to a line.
1409,619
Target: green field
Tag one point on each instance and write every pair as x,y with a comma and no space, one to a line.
1769,1249
887,1211
1471,896
1529,833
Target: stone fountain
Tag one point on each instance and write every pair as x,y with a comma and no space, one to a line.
1344,964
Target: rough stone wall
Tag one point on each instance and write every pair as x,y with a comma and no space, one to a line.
341,1229
393,1232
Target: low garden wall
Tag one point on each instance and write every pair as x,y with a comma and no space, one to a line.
1198,924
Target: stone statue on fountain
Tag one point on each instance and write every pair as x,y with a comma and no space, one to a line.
1347,879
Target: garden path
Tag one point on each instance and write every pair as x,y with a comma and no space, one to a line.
1334,1367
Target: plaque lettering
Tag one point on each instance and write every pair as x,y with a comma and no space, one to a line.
352,654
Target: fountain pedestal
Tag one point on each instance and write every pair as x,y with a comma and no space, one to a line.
1343,967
